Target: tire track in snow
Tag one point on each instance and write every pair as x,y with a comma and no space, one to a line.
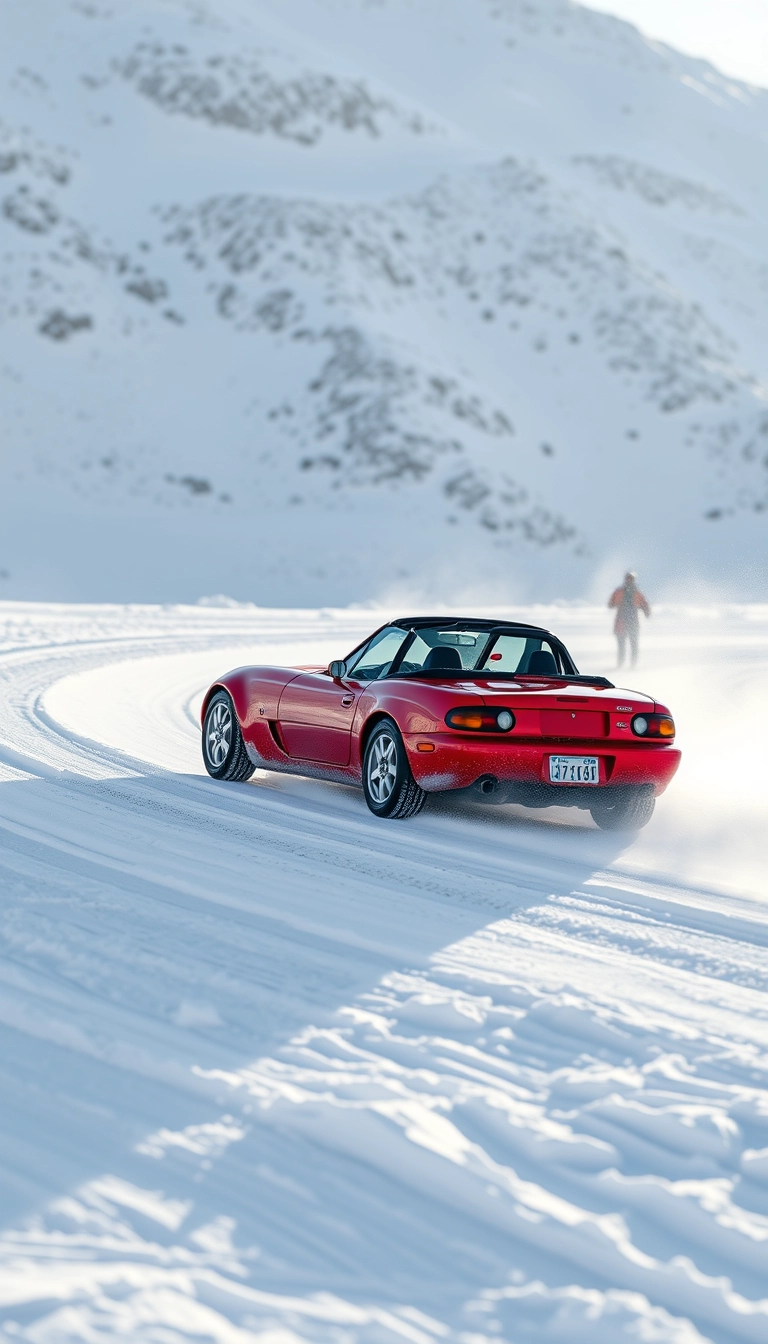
287,1055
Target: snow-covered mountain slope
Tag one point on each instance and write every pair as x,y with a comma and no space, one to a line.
316,300
273,1070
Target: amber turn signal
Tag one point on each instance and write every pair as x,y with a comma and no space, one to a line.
469,718
653,725
481,719
425,746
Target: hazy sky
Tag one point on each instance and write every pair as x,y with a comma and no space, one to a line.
732,34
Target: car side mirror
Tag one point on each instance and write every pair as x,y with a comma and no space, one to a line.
338,669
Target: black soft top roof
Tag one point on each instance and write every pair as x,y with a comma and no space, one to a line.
406,623
467,622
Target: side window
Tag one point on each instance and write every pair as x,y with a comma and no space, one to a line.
378,656
414,659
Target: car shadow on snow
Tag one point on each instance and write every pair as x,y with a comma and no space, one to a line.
161,933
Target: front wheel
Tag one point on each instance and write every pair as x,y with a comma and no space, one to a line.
389,787
224,754
624,809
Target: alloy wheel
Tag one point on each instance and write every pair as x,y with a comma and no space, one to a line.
382,768
218,734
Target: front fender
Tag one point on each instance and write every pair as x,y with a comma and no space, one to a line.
255,692
236,684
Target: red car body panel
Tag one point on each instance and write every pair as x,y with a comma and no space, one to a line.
316,717
307,722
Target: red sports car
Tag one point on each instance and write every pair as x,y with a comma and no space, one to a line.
428,704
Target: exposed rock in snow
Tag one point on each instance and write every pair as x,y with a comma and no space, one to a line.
478,275
241,92
655,187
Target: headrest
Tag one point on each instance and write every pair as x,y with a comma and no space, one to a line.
442,656
542,664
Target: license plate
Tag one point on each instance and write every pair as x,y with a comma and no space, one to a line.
574,770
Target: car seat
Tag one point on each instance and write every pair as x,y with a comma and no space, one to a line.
542,664
442,656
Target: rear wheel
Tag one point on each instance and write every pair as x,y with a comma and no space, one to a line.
389,787
224,754
624,809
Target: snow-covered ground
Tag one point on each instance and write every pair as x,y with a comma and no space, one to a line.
309,301
272,1070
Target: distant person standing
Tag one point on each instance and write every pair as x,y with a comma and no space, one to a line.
628,602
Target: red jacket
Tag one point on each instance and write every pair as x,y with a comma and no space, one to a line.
629,601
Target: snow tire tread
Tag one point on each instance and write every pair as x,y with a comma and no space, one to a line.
410,802
629,813
239,766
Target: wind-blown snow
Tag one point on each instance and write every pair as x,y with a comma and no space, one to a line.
273,1068
304,302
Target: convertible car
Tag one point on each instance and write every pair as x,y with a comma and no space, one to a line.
427,705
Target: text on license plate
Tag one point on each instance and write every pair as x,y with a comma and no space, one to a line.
574,770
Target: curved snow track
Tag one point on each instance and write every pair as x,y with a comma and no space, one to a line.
272,1069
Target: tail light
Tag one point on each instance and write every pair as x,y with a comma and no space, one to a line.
653,725
481,719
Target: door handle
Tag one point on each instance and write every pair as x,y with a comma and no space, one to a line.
347,700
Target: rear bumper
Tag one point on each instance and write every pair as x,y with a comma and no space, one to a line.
457,762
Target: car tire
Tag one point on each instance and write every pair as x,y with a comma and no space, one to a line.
389,787
224,753
624,809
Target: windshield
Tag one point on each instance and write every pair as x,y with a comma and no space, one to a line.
451,650
433,649
438,649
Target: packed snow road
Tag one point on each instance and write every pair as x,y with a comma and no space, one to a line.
272,1069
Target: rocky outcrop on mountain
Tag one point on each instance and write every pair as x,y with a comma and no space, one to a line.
655,187
386,262
501,241
241,91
